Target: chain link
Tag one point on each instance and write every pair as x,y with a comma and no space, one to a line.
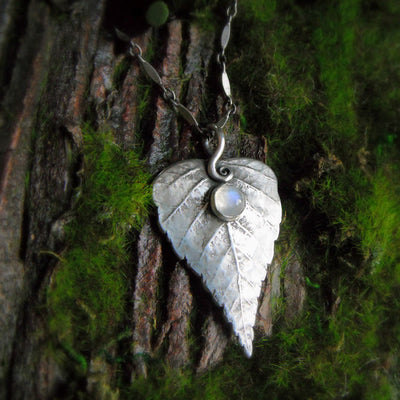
230,107
170,96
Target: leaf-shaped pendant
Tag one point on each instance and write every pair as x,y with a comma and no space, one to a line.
225,231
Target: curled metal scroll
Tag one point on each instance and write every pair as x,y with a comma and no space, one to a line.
221,174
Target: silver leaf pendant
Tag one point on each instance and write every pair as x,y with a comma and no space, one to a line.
226,231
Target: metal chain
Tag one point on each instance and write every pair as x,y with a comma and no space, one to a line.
230,107
170,96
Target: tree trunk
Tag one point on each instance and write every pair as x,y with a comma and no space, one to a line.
60,60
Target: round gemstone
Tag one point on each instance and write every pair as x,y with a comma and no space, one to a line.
227,202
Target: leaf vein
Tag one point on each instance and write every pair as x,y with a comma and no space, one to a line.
199,214
261,218
245,229
239,277
210,240
196,186
255,188
254,169
180,176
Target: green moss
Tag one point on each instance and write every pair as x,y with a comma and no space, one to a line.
165,383
379,216
157,14
144,100
120,72
203,12
88,294
335,42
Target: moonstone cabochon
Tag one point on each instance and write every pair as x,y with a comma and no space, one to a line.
231,257
227,202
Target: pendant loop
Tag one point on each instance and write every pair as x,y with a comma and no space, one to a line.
221,174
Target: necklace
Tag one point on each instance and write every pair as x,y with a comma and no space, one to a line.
222,216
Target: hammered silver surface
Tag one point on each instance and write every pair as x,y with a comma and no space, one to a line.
231,257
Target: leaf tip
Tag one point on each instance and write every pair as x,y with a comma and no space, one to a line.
248,349
246,340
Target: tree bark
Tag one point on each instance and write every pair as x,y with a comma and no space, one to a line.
61,60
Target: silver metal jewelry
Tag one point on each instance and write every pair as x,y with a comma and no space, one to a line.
222,216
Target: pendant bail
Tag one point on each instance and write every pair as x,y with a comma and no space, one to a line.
220,174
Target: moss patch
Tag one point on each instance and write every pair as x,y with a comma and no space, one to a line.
88,295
